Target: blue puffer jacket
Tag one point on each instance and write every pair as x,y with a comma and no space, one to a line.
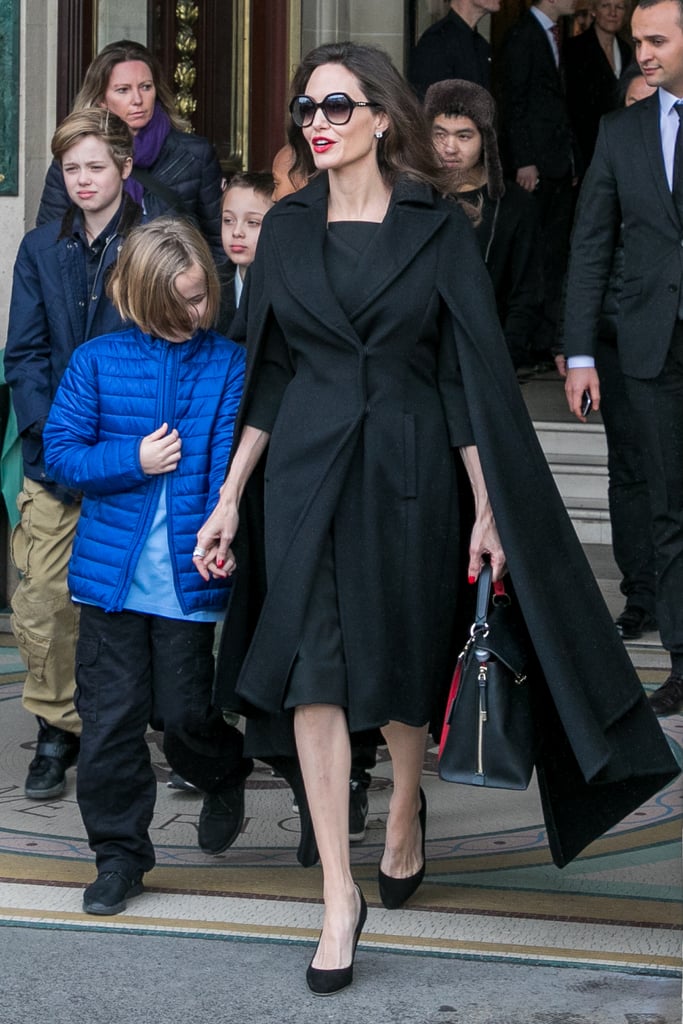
116,390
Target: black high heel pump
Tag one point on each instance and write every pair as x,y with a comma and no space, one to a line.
326,983
394,892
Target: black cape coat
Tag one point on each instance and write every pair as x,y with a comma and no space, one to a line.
377,468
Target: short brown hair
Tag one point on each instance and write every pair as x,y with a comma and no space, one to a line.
142,284
261,182
104,125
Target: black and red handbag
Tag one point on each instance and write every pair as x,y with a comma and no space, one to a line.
488,732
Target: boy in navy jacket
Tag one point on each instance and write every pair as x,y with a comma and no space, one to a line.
58,302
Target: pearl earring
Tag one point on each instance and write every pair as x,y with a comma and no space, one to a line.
379,135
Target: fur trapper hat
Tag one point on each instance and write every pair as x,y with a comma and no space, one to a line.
457,98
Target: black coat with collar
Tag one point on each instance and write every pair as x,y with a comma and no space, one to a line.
536,129
449,48
592,87
626,183
364,413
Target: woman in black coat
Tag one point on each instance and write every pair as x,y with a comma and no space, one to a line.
376,367
174,171
594,62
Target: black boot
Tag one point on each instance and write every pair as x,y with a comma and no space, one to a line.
56,751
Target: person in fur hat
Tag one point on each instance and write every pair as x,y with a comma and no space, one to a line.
463,118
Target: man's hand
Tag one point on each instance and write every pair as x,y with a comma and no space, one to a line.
528,177
580,379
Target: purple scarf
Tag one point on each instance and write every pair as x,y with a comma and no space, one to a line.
146,148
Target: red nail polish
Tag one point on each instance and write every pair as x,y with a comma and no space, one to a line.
220,562
471,579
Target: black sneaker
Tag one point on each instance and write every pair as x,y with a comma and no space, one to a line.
221,819
109,893
358,811
56,751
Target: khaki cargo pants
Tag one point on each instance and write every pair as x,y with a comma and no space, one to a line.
44,619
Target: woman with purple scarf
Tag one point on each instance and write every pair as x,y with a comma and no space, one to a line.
174,171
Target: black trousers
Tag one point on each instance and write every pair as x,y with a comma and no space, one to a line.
132,671
658,417
628,494
555,200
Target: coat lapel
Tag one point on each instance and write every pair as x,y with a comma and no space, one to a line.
299,232
652,139
406,229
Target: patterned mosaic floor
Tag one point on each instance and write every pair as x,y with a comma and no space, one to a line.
491,890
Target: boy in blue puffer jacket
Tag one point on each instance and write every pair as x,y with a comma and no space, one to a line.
142,424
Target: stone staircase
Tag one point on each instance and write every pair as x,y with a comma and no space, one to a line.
577,456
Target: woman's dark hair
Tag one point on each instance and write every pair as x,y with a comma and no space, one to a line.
96,80
406,147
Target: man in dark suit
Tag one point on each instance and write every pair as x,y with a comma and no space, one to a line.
452,48
537,142
634,178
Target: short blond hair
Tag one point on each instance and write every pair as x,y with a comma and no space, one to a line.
100,123
142,284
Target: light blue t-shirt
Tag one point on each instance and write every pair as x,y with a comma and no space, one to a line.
152,591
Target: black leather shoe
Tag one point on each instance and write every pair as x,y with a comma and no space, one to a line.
326,983
668,699
394,892
634,621
221,819
56,751
109,893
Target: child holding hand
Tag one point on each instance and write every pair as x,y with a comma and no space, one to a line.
142,425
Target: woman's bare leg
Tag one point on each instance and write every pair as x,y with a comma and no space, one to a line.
322,740
402,855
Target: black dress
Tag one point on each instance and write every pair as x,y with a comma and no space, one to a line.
319,671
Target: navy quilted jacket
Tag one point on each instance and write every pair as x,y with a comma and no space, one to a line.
116,390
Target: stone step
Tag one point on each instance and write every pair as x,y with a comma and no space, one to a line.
577,456
572,439
580,484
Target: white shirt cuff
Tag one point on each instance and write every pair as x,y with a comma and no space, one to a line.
580,362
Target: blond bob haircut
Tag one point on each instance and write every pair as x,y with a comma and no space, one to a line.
142,284
103,125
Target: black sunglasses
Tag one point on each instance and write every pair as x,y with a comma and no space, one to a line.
337,108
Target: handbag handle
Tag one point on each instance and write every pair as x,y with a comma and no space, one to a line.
483,599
